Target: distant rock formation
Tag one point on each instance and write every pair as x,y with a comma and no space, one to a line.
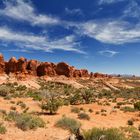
23,67
2,64
46,68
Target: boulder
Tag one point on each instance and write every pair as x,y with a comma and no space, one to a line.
84,73
64,69
46,69
77,73
21,65
11,65
32,67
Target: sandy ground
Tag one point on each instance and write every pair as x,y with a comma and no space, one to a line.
113,119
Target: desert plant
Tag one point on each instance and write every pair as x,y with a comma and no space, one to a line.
13,108
51,102
137,105
76,98
26,122
128,109
87,95
105,134
75,110
130,122
90,110
83,116
68,123
2,129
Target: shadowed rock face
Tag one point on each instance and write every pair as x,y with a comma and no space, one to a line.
36,68
64,69
2,64
32,67
11,66
46,69
22,65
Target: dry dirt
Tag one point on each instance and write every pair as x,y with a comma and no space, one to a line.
113,119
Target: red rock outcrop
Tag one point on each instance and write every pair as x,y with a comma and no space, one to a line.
32,67
2,64
22,65
46,69
84,73
64,69
22,68
11,66
77,73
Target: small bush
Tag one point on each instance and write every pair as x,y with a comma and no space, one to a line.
97,112
139,127
26,122
13,108
130,122
128,109
75,110
105,134
68,123
2,129
83,116
90,110
21,104
12,116
137,105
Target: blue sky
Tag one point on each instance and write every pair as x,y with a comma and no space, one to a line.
100,35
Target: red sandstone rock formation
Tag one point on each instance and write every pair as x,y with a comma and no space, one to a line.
11,66
2,64
46,69
32,67
22,67
64,69
77,73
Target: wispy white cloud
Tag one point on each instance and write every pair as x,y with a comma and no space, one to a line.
34,42
111,32
108,53
132,10
24,11
74,11
109,1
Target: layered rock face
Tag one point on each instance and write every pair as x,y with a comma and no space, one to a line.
23,67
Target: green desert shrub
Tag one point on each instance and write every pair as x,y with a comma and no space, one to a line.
26,122
83,116
105,134
76,99
2,129
137,105
87,95
75,110
51,103
21,104
130,122
4,91
35,95
11,116
68,123
128,109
